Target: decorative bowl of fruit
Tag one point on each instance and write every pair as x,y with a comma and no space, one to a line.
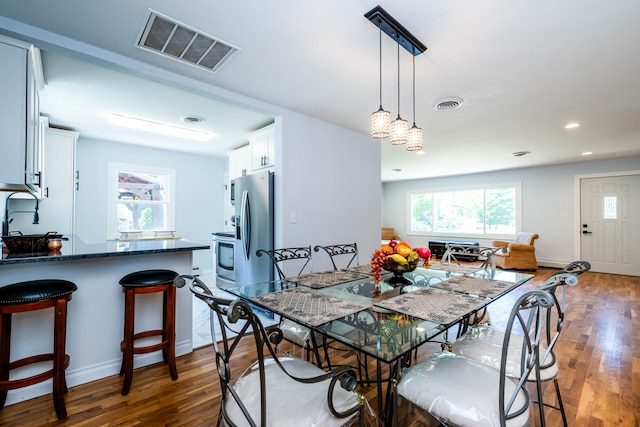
397,258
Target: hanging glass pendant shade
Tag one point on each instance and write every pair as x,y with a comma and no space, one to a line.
381,119
380,124
414,138
399,127
415,134
399,131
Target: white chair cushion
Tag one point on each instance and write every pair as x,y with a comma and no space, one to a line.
483,344
289,403
459,391
523,237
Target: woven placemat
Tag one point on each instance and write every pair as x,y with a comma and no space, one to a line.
435,305
454,268
325,278
475,286
363,269
308,306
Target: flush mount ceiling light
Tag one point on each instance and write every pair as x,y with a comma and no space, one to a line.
399,128
160,128
572,125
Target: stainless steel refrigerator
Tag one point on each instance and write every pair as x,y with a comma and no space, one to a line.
253,201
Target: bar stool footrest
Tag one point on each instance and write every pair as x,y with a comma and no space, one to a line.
34,379
147,348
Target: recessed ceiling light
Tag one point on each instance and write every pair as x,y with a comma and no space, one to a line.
421,152
587,153
160,128
520,153
572,125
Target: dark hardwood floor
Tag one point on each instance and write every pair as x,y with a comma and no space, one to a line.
599,354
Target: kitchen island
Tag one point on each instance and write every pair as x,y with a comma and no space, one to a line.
96,311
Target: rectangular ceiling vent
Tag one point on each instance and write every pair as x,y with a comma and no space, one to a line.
168,37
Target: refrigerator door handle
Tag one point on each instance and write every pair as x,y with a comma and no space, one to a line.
245,225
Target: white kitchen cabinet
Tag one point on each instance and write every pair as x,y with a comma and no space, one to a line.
262,146
239,161
60,181
21,161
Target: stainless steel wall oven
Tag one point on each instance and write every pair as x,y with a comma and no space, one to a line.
223,253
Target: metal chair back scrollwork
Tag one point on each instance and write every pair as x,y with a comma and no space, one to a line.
302,255
347,251
476,253
274,390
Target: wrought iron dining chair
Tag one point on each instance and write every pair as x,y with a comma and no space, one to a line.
483,343
457,390
484,266
347,252
299,258
274,390
293,332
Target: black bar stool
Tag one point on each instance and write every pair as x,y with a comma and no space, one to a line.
29,296
146,282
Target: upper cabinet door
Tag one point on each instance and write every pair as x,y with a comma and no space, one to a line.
21,163
262,145
13,116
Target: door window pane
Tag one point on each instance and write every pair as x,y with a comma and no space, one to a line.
610,207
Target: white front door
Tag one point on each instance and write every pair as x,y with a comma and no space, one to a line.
610,223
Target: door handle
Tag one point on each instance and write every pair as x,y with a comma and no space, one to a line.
586,232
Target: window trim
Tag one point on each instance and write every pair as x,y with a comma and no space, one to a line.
486,236
112,191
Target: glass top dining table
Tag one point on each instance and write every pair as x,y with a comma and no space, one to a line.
387,321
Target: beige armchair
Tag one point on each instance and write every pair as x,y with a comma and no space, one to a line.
520,254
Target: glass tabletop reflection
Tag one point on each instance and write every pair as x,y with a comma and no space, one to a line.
379,332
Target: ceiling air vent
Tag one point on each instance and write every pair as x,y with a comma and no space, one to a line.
168,37
448,104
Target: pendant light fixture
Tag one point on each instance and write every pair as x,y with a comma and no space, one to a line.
415,134
399,127
381,119
398,131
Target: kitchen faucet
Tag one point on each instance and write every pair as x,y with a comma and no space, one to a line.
6,221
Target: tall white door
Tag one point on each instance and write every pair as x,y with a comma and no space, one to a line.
610,223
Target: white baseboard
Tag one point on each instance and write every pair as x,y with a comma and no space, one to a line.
91,373
553,264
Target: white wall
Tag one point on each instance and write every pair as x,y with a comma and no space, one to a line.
547,192
329,177
199,190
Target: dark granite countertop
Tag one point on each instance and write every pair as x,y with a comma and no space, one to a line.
75,248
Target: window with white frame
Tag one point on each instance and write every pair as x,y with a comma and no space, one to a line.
141,198
483,211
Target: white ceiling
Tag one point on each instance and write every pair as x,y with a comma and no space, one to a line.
524,69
